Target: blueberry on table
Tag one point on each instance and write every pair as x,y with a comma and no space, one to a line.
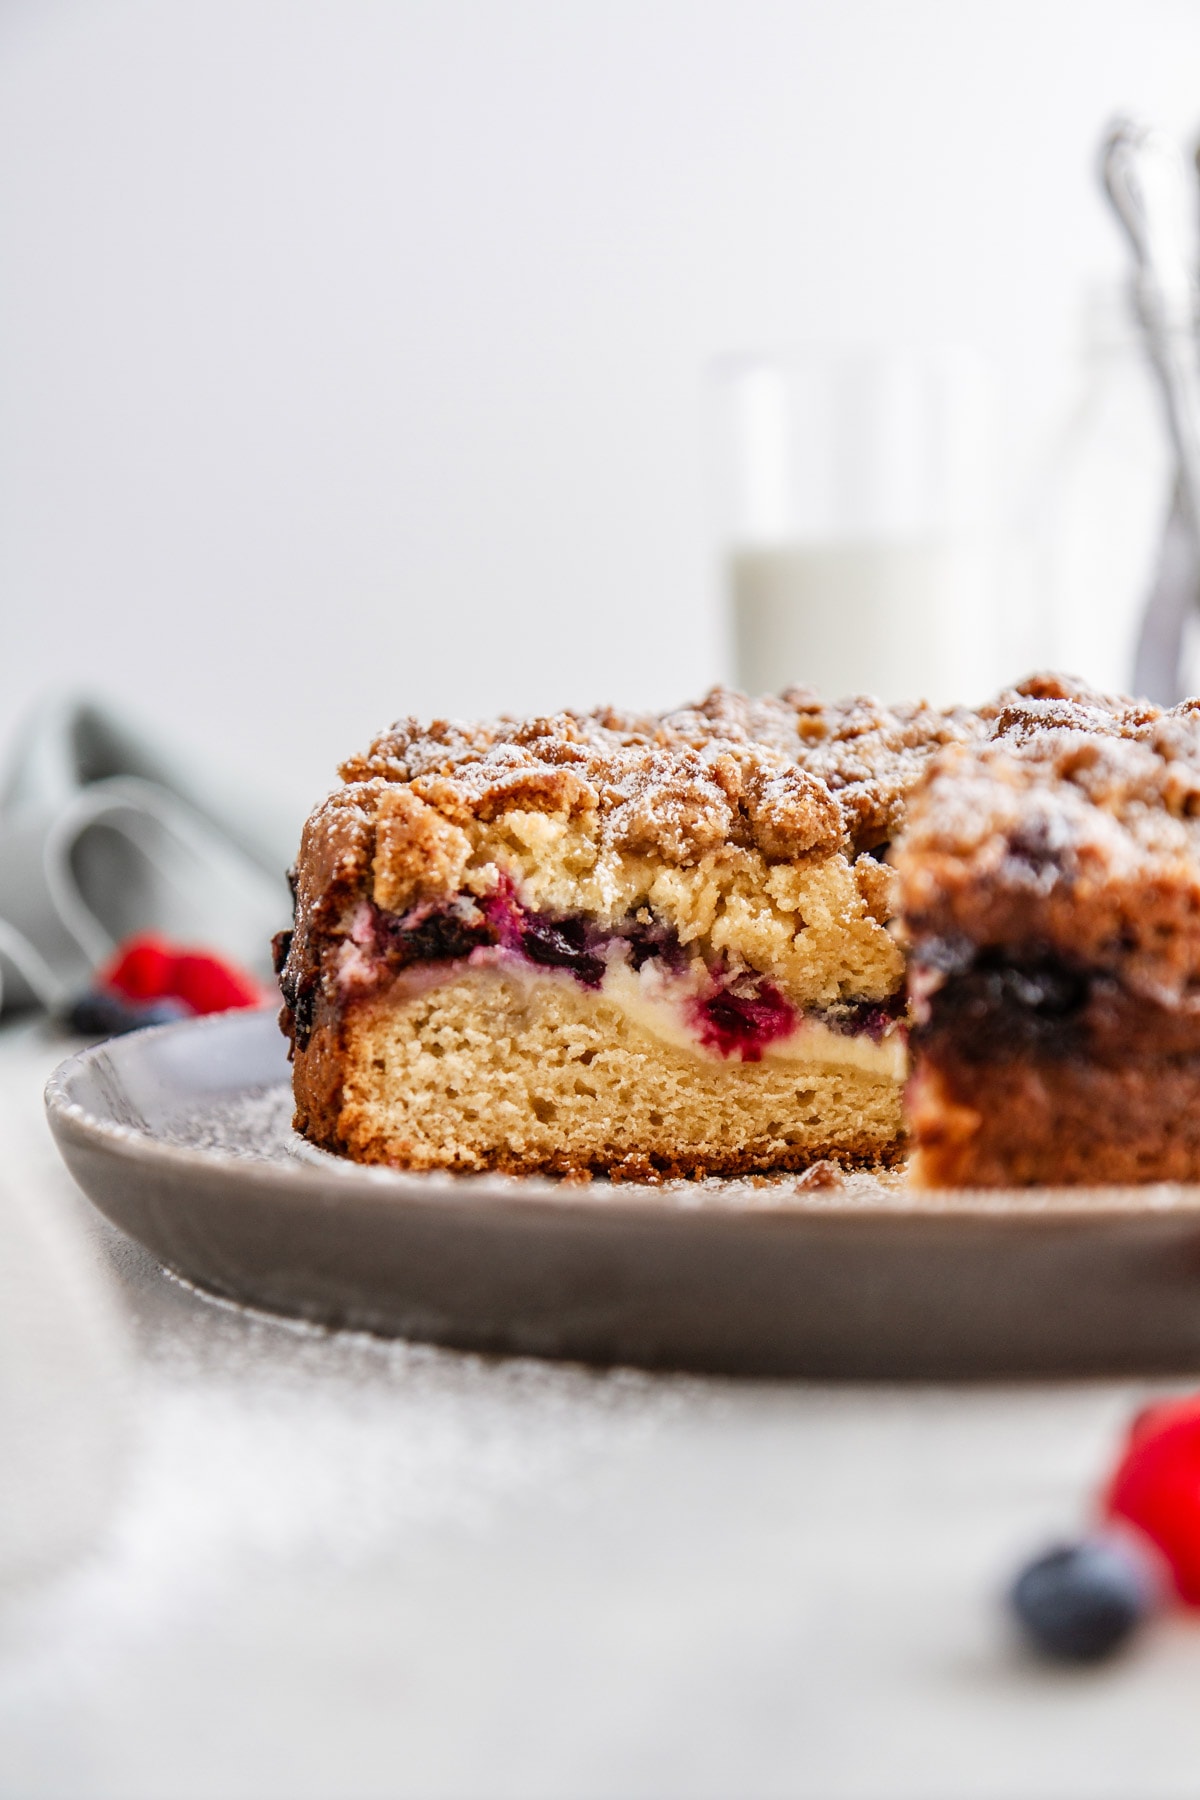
1080,1602
164,1011
101,1014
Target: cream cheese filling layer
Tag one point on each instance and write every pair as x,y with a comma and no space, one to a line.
656,999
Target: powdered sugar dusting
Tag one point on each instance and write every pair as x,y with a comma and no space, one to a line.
254,1126
788,774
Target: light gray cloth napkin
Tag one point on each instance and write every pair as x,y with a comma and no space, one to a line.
105,832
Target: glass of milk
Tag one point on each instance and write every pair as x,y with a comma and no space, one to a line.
854,498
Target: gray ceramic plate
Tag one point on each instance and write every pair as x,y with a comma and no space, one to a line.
182,1137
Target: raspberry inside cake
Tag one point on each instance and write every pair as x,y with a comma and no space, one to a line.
607,944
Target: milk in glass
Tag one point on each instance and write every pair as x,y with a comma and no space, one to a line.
856,542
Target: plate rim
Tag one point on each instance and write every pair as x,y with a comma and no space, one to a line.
69,1118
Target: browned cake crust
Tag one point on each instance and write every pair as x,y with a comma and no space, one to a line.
1050,890
1054,1121
737,826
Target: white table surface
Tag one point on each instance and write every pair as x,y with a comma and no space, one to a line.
338,1567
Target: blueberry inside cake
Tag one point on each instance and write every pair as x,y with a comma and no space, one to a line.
605,944
756,934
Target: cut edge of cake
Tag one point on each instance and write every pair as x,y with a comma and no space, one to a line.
1050,896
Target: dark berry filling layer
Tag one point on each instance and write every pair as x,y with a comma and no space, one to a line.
982,1006
427,934
573,942
738,1014
450,929
994,1005
867,1018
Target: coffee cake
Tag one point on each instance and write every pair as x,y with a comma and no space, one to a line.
610,944
693,943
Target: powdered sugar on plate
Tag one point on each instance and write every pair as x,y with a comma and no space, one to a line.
256,1126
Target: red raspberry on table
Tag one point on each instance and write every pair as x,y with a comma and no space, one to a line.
1157,1487
149,968
140,969
209,984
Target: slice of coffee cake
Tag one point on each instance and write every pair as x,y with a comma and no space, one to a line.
1050,890
602,943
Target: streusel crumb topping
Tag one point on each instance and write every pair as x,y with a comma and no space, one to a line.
789,777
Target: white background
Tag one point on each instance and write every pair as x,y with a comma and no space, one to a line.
352,355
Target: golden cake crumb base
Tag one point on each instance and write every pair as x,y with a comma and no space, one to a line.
488,1072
